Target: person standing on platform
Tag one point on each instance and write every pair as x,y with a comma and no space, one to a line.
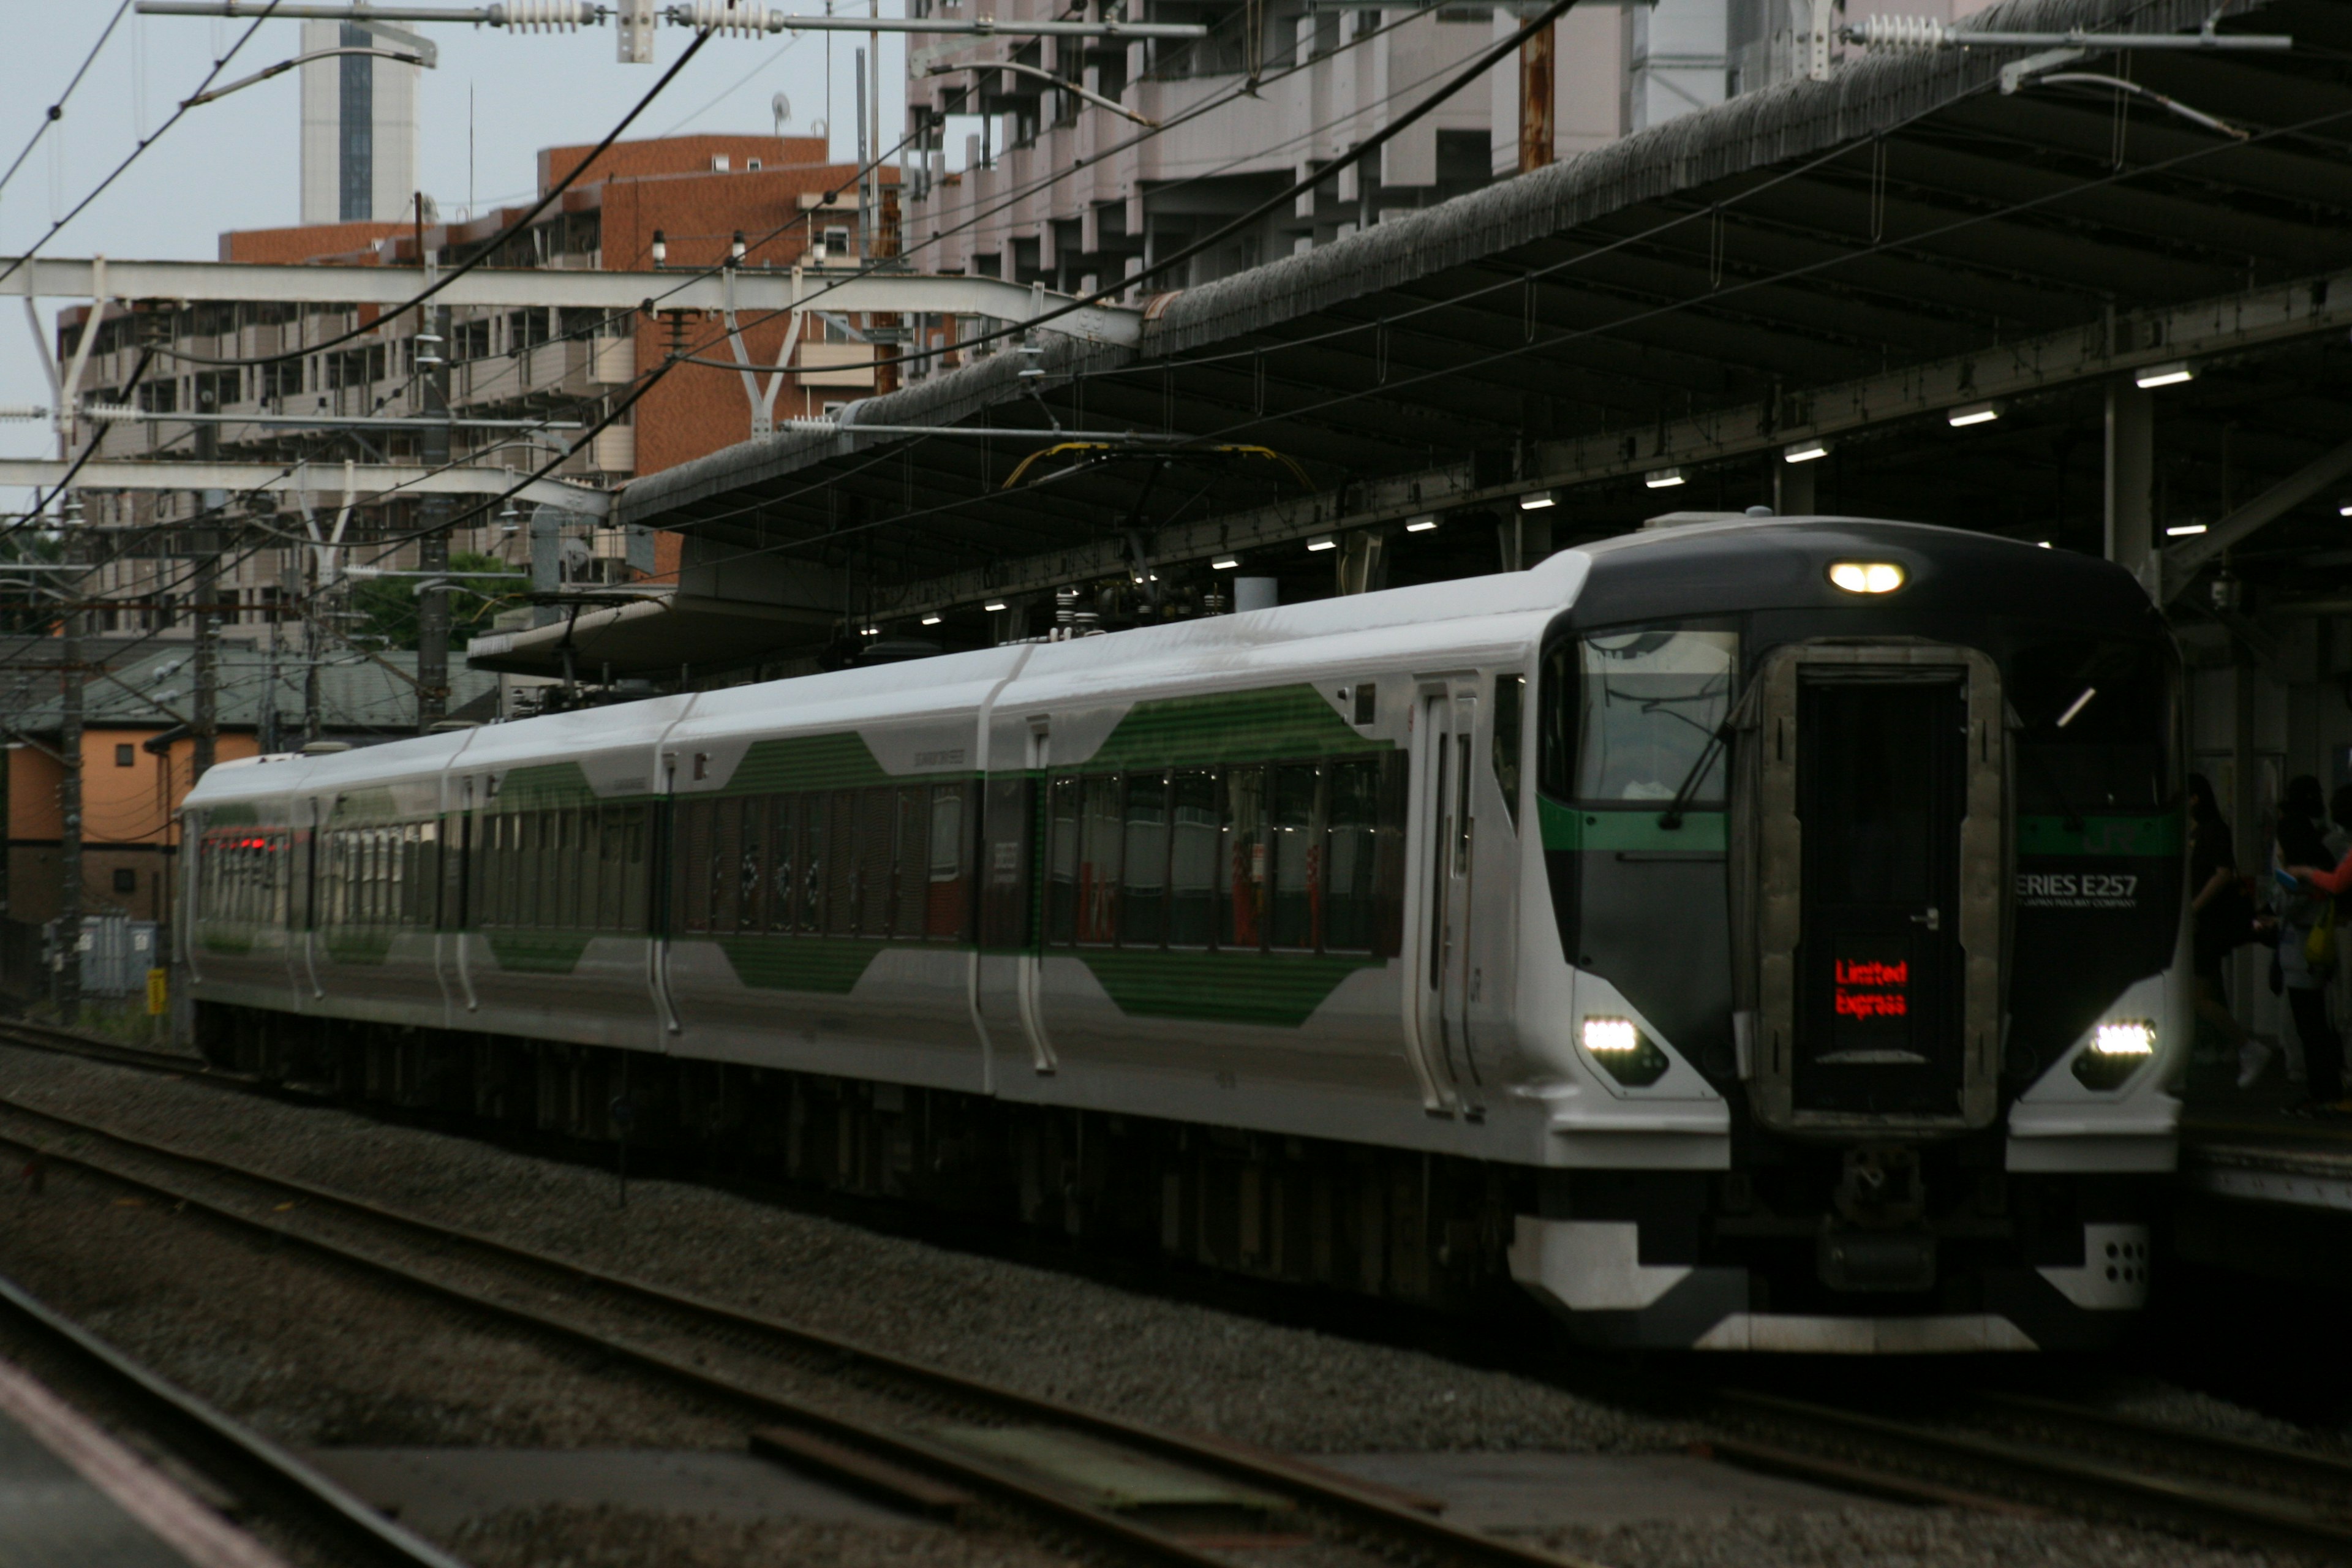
2302,912
2224,921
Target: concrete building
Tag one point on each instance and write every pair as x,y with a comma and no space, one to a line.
511,365
1061,187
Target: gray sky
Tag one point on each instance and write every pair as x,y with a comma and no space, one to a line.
233,164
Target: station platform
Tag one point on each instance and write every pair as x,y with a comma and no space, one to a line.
73,1494
2262,1192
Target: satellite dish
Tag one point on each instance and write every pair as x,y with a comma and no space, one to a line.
817,128
782,108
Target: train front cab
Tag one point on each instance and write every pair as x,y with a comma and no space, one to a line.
1902,880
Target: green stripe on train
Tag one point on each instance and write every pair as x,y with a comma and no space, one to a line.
544,787
1278,723
357,944
1566,827
799,963
1279,989
798,763
2153,837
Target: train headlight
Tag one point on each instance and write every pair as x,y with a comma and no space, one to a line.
1623,1052
1867,577
2118,1048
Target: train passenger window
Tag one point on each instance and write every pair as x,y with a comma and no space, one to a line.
1062,862
816,820
912,871
637,904
877,824
1242,855
1194,848
841,880
783,860
1628,713
1352,850
1143,903
1098,848
1510,697
750,864
613,904
948,895
1298,894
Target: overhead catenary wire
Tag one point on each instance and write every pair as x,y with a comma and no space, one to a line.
56,112
139,149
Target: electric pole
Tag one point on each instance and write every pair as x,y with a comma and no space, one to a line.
433,551
69,694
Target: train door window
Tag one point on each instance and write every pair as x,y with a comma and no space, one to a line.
1510,701
815,824
841,876
1242,831
876,820
911,909
1098,848
750,866
1350,856
617,906
636,903
784,861
1192,858
1143,897
948,895
1062,860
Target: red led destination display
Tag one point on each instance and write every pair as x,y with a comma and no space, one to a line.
1867,988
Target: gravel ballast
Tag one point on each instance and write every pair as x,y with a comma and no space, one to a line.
310,1367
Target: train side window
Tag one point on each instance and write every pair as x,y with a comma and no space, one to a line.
1510,700
1143,901
814,823
636,898
612,876
1098,848
911,906
1242,833
841,879
947,895
1062,815
1297,892
877,811
1351,853
784,861
750,864
1194,833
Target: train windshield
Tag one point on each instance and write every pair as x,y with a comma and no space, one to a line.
2097,726
1629,714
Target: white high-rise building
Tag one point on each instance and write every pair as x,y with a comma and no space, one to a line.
359,131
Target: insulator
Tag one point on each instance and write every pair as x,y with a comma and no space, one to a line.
743,21
543,15
1904,32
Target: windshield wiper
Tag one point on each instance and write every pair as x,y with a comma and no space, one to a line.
1672,819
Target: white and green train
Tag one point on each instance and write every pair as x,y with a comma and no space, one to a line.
1756,934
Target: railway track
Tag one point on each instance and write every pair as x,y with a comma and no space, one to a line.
228,1466
923,1438
1999,1451
2013,1453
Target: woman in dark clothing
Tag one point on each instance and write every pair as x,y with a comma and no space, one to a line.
2301,846
2223,921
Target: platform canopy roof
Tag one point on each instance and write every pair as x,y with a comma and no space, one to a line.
1846,261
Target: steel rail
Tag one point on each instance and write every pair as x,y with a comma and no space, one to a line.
2043,1473
218,1447
1364,1508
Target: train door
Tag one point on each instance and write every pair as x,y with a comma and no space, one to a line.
1030,966
1440,896
1884,831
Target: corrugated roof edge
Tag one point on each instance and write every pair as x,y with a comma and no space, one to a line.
949,399
1788,121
